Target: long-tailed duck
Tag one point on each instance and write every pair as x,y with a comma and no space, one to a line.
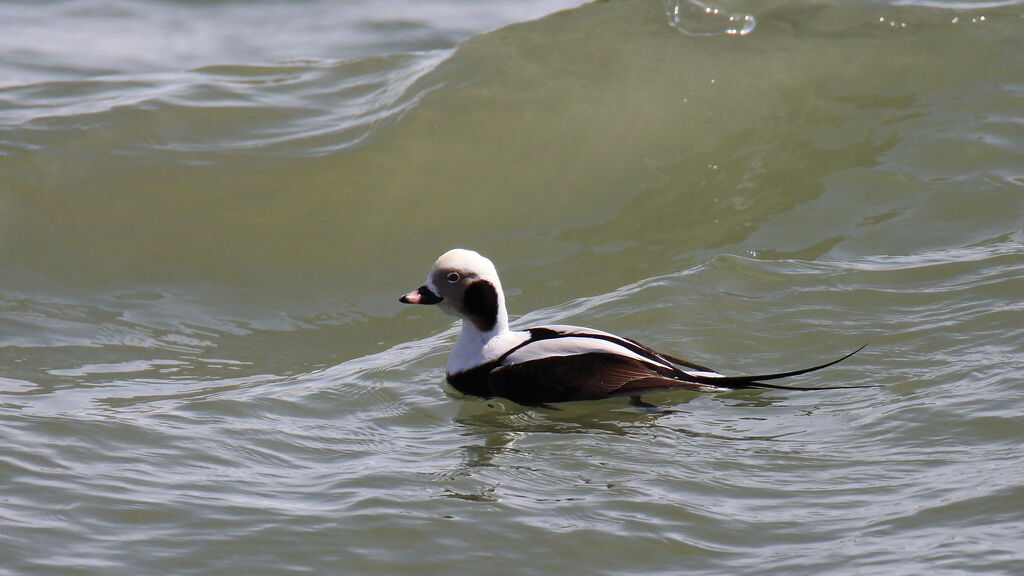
554,363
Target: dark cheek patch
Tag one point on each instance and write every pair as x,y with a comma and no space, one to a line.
481,304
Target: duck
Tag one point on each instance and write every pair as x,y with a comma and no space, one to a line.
544,365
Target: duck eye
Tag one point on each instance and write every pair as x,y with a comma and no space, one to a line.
453,277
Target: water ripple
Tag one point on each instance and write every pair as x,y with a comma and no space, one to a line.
315,107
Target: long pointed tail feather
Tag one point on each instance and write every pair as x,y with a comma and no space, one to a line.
753,381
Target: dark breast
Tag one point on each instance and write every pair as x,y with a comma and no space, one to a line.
474,382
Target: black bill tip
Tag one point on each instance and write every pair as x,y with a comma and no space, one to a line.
421,295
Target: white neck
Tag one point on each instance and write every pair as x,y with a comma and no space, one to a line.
474,347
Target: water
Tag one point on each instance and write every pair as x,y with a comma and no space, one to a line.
209,209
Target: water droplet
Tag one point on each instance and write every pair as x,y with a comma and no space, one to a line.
694,18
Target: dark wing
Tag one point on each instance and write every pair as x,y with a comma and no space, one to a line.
693,373
588,376
564,363
566,331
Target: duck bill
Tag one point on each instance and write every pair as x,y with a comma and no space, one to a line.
421,295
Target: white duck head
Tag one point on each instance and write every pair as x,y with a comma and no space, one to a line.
465,284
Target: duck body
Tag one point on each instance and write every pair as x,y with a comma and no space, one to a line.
557,363
564,363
